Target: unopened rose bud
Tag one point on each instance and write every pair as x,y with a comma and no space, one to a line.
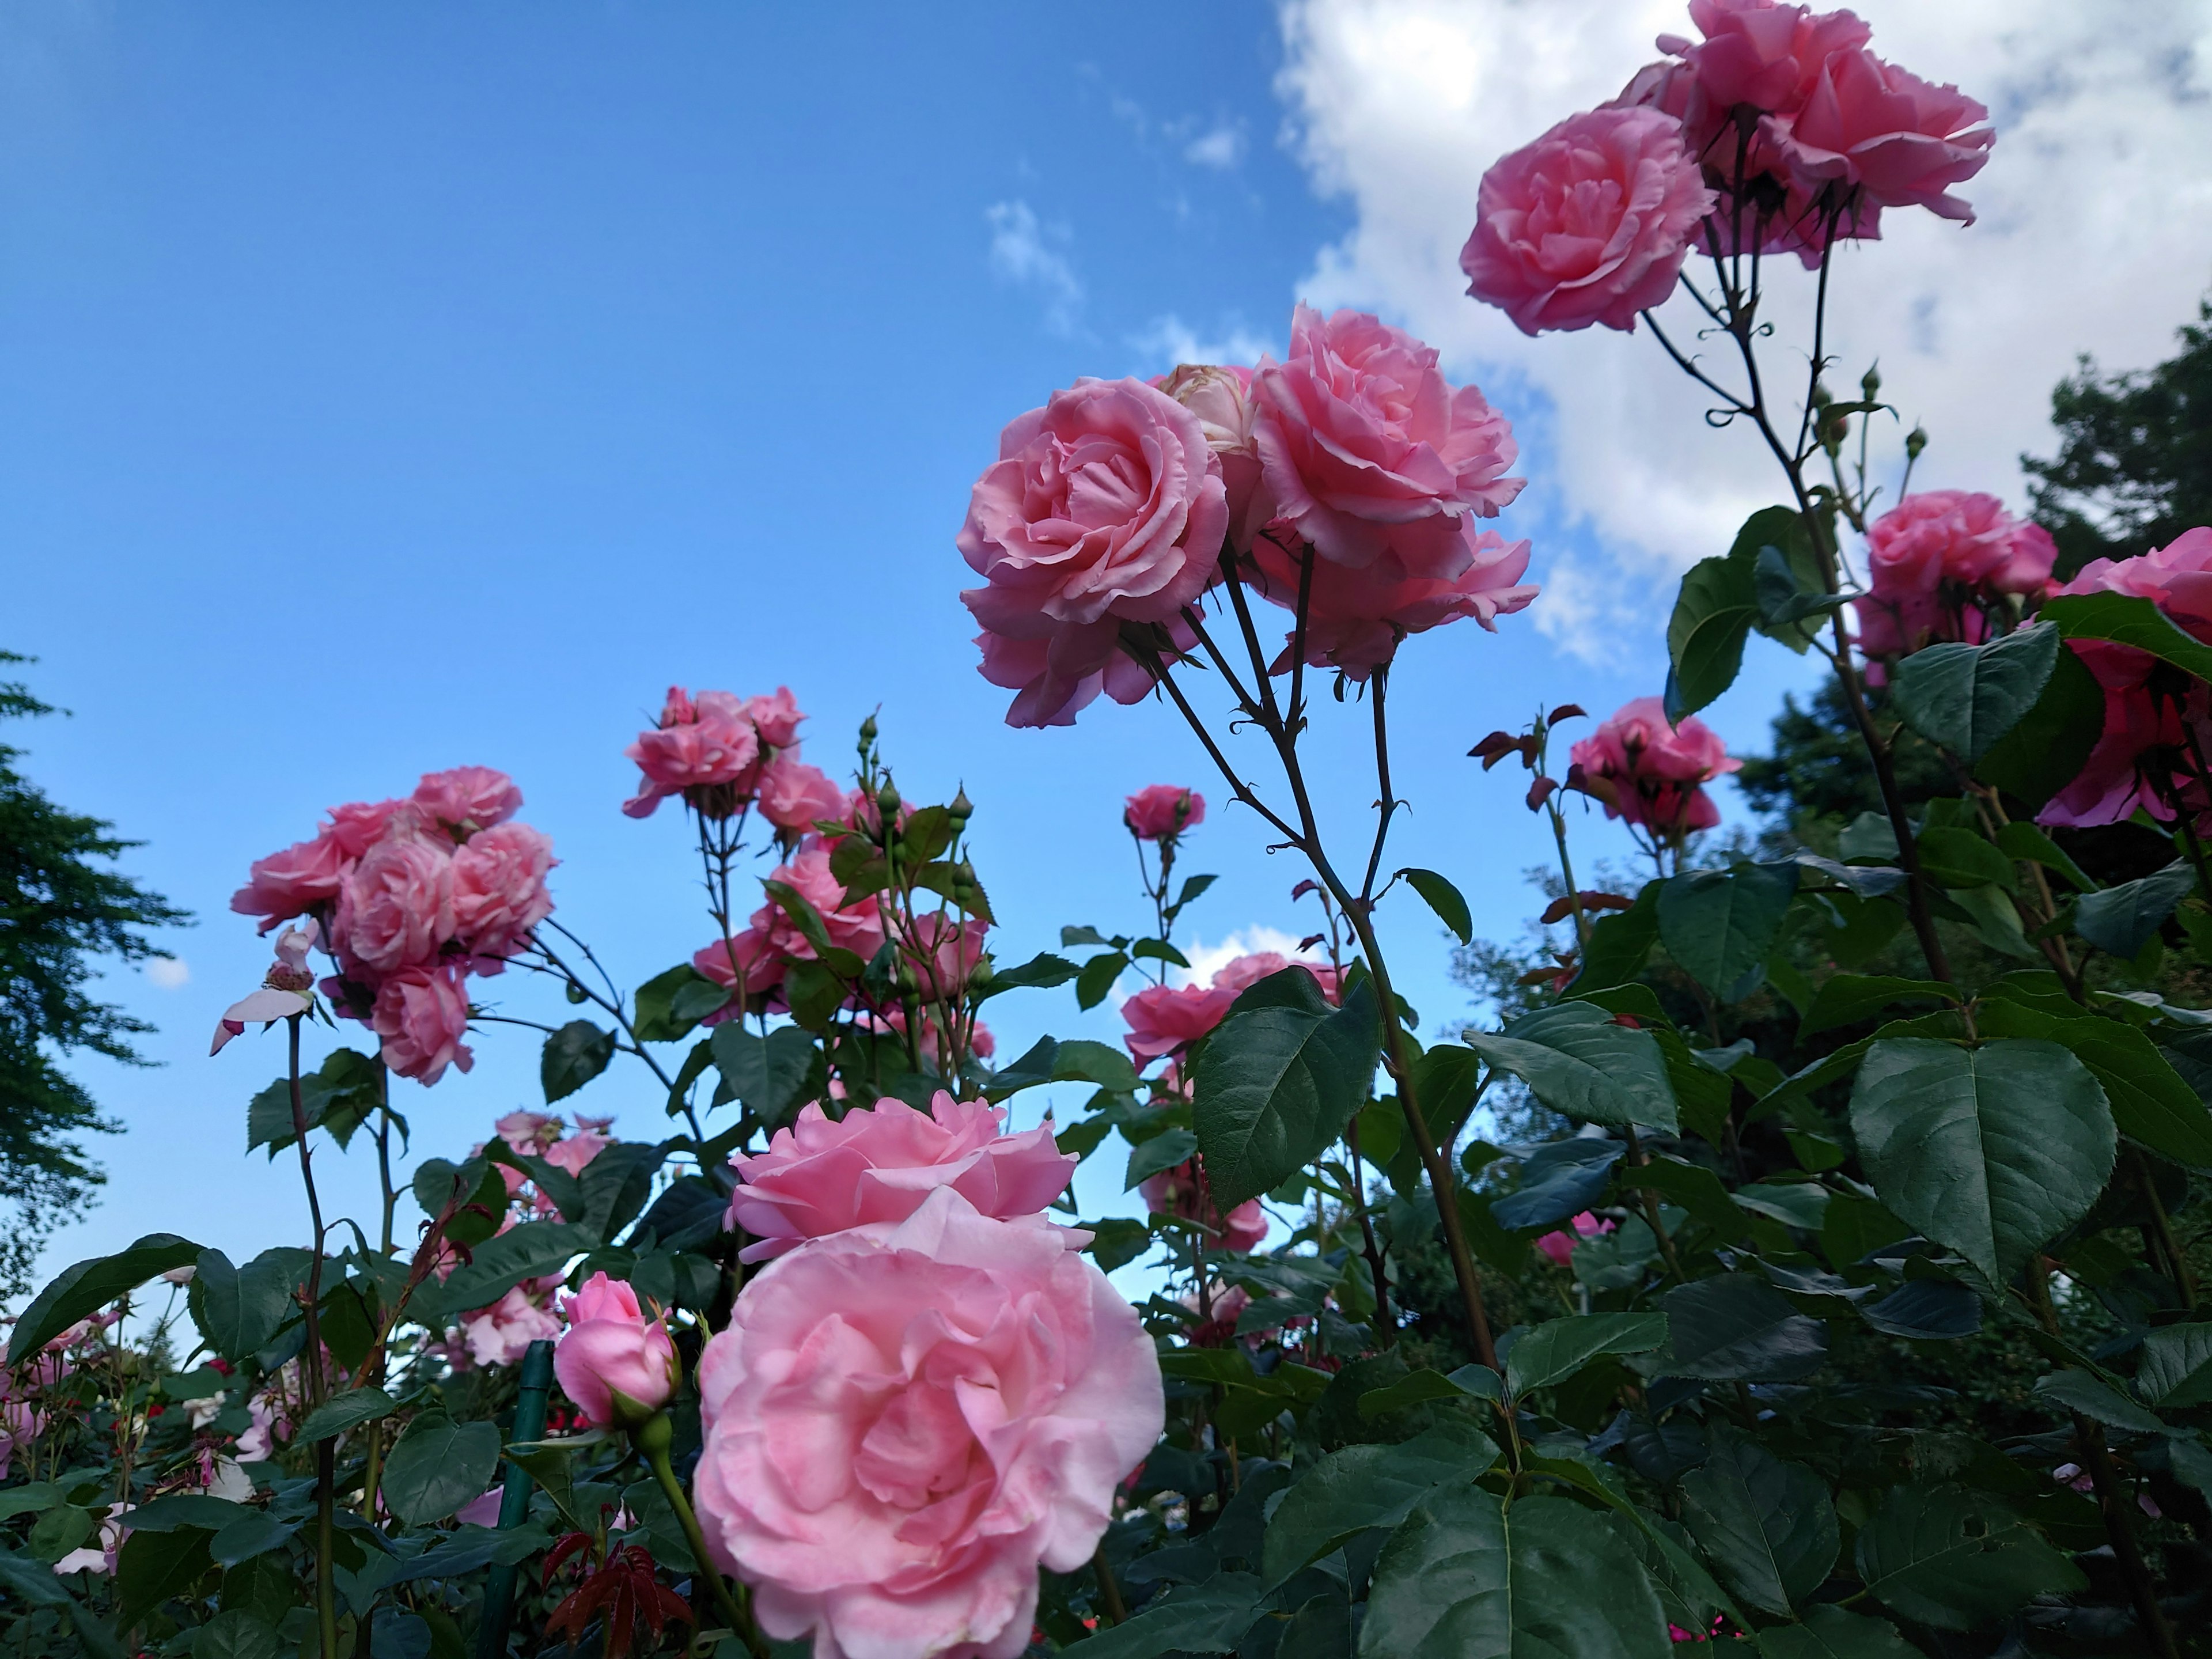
1822,396
983,973
962,809
1870,385
868,730
887,802
618,1366
1915,441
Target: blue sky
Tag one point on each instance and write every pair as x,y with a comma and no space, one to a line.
391,388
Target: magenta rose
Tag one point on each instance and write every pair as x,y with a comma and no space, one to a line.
1588,224
1366,450
1357,619
1163,1018
818,1176
1183,1191
469,798
1162,811
1647,773
793,795
1561,1245
612,1348
903,1421
421,1015
396,909
705,749
499,889
291,883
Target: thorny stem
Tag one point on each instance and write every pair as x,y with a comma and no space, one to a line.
326,1450
1639,1157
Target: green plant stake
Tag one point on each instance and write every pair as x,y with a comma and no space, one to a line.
514,1498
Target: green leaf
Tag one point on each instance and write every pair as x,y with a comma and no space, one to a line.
1952,1558
1695,1188
769,1075
1444,899
2046,752
84,1288
437,1466
1846,998
153,1566
1926,1310
2025,841
1580,1063
1041,972
2122,920
186,1509
236,1635
2176,1370
1276,1084
237,1310
1620,944
254,1532
1208,1618
1723,599
1768,1526
1961,858
1794,1203
1465,1579
1734,1328
1425,1387
1559,1179
657,1016
1993,1151
2129,621
1721,925
531,1250
1965,697
1830,1632
1558,1348
572,1057
1350,1491
1097,976
59,1531
2073,1390
2150,1101
1703,1093
338,1096
341,1412
1162,1151
1782,598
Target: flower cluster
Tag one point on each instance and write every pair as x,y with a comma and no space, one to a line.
1777,130
1340,484
1945,565
1649,773
927,1393
722,753
410,897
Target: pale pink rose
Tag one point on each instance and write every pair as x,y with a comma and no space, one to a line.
1873,127
793,795
532,1133
1356,619
482,1511
1561,1245
903,1421
1588,224
499,889
284,990
610,1348
775,717
818,1176
267,1424
421,1014
577,1150
1648,773
290,883
1162,812
396,909
498,1335
1242,973
469,798
1058,669
1163,1018
359,824
1221,395
1183,1191
706,748
1938,563
1366,450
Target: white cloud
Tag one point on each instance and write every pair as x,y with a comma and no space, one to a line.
1221,147
170,972
1168,340
1207,960
1023,252
2095,235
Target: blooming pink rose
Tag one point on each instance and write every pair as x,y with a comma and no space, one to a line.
749,964
397,910
1365,449
904,1420
793,795
1183,1191
1161,1019
1588,224
775,717
421,1014
1648,773
1058,669
857,927
1938,563
359,824
1242,973
1356,619
1221,395
575,1151
613,1348
1762,54
498,1335
469,798
292,882
705,749
1561,1245
1162,811
530,1133
499,889
878,1164
1871,126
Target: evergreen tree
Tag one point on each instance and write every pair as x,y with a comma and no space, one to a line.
63,908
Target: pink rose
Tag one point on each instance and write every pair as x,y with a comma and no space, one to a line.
857,927
499,889
1365,449
775,717
1183,1191
749,964
944,953
612,1348
1588,224
421,1014
1938,563
359,825
1242,973
1221,395
530,1133
1762,54
1560,1246
575,1151
1356,619
793,795
1161,1019
469,798
1648,773
1162,812
292,882
1058,669
706,748
396,909
1106,506
904,1420
878,1164
498,1335
1872,127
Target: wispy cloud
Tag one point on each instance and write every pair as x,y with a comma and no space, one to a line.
1026,251
1168,340
1221,147
170,972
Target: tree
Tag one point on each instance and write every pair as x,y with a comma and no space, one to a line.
2134,467
62,909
